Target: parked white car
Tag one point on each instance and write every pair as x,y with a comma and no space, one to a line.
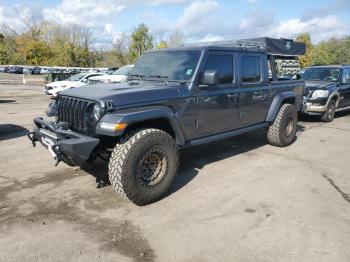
120,75
77,80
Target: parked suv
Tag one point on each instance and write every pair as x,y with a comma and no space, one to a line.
327,90
118,76
174,98
80,79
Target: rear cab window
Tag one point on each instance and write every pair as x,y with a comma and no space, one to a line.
251,69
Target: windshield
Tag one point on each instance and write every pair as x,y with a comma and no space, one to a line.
321,74
76,77
125,70
171,65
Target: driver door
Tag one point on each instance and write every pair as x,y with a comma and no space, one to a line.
217,103
344,89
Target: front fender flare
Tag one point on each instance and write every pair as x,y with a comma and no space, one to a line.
333,95
138,115
276,104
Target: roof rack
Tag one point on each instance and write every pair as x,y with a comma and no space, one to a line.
330,65
230,43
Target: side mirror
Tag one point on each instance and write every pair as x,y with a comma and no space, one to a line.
85,80
211,77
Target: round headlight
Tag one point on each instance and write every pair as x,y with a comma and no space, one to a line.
96,111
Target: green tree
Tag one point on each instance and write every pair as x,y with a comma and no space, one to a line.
141,40
305,60
321,54
332,51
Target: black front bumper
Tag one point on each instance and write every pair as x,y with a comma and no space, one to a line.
62,143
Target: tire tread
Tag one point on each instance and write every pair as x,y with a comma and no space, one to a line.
119,159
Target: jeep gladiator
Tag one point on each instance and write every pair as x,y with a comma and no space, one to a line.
174,98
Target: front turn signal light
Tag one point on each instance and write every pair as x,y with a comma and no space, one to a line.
113,127
119,126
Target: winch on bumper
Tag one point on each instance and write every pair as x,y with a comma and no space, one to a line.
62,143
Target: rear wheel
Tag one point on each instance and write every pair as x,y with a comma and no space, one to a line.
142,167
283,130
328,116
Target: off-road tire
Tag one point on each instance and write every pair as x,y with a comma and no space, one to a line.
328,116
127,163
283,130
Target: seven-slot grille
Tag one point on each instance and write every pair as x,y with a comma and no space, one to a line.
74,112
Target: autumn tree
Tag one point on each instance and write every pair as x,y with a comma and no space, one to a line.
305,60
31,52
162,44
165,39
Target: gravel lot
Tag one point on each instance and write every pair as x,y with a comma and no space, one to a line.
18,79
237,200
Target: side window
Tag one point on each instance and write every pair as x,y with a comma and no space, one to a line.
346,75
223,64
250,69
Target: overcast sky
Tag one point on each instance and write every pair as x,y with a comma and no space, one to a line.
200,20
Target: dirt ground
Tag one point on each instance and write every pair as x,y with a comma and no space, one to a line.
237,200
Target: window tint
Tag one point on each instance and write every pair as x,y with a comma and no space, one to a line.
172,65
250,69
321,74
223,64
346,74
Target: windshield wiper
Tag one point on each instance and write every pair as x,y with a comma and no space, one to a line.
158,76
140,77
163,78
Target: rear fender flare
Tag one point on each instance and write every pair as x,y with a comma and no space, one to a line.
277,102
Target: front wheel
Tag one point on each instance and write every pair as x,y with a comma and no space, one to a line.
143,166
328,116
283,130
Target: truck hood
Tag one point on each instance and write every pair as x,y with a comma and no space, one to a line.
122,94
313,85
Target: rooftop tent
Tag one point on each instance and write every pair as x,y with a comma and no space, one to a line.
281,47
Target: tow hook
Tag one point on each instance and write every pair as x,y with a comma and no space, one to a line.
58,160
31,137
58,157
53,149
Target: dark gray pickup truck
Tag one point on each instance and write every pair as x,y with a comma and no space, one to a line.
174,98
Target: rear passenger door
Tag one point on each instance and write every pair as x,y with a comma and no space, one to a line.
254,89
217,103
